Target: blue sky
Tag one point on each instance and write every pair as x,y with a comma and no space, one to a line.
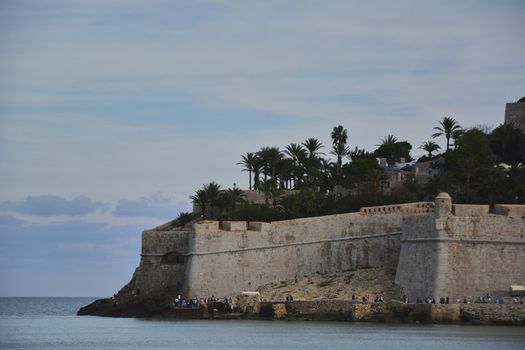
113,112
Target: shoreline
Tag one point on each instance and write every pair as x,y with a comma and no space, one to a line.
323,310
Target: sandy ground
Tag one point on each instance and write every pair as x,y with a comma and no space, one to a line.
371,281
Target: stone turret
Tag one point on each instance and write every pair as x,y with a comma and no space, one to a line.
443,204
515,114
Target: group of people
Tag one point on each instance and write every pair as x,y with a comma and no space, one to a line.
486,298
180,302
366,298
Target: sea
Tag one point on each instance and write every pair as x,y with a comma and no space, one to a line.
51,323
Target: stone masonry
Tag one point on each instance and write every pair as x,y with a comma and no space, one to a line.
439,249
515,115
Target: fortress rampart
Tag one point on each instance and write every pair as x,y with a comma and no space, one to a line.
235,257
439,249
444,254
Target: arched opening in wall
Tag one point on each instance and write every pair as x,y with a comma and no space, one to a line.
172,258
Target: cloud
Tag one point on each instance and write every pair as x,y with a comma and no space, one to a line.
156,206
49,205
189,86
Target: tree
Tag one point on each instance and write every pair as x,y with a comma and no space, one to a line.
201,200
248,162
339,147
508,144
470,164
429,146
230,198
393,150
264,155
213,192
360,153
271,190
388,140
313,163
258,164
363,173
447,127
298,155
184,218
270,156
313,146
296,152
339,135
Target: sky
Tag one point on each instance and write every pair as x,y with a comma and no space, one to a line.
113,112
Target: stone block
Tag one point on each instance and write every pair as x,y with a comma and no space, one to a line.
470,210
259,226
206,227
515,211
234,226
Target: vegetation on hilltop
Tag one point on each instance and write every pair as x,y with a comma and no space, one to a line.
478,166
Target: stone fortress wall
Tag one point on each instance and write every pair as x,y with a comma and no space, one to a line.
439,250
236,257
162,268
462,251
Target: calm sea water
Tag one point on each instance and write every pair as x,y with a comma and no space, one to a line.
50,323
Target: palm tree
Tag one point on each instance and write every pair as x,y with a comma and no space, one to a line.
313,162
447,127
200,199
271,157
429,146
230,198
339,135
456,135
339,150
297,154
339,147
388,140
313,146
248,161
258,164
263,154
386,149
274,157
271,190
213,192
